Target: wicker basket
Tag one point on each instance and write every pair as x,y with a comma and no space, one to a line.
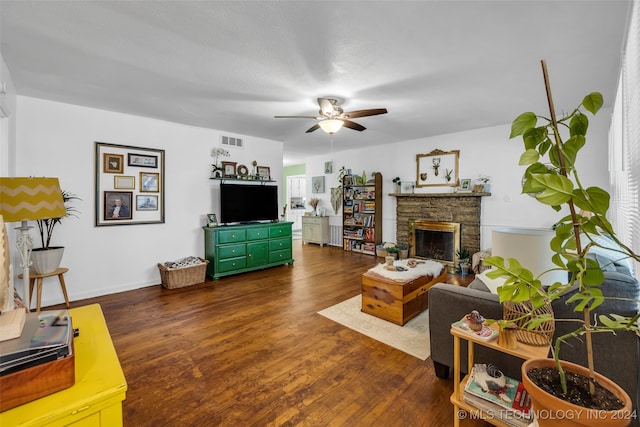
173,278
539,336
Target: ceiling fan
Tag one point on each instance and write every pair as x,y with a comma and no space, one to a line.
332,117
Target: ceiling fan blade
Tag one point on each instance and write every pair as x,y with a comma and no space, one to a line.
312,128
365,113
326,106
297,117
353,125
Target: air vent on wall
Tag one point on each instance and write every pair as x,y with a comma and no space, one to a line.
231,141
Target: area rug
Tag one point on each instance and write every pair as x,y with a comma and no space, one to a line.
412,338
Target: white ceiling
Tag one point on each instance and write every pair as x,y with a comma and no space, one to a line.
437,66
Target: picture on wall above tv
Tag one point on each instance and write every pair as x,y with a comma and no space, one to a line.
247,203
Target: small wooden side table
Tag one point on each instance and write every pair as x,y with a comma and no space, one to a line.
38,277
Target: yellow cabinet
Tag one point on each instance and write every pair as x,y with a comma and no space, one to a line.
96,397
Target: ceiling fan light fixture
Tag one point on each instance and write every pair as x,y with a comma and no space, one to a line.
331,126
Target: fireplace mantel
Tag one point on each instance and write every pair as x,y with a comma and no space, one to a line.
461,208
472,194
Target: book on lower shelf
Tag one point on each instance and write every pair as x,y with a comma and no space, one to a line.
485,334
510,402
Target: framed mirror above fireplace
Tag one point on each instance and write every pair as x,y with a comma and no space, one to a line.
437,168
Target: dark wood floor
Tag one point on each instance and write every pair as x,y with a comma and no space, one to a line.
251,350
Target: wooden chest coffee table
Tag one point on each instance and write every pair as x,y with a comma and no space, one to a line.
395,300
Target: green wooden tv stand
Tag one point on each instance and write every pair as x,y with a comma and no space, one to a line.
233,249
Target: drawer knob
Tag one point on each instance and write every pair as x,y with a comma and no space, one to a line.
233,236
233,251
258,234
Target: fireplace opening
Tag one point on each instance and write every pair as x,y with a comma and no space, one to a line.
438,241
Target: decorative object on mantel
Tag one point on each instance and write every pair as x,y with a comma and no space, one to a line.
397,184
429,165
465,186
484,182
216,153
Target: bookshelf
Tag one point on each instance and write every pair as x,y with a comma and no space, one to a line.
362,214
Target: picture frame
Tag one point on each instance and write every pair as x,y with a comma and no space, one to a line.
149,182
437,168
124,182
212,220
317,184
465,184
264,172
113,163
228,169
146,202
407,187
142,161
117,205
328,167
242,170
149,208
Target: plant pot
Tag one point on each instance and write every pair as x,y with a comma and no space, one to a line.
465,269
552,411
46,260
403,254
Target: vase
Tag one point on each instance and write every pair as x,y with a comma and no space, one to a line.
552,411
46,261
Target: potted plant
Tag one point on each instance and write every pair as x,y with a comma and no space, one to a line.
397,183
47,258
553,178
485,181
403,251
464,260
393,251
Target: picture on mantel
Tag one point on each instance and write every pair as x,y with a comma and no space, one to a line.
437,168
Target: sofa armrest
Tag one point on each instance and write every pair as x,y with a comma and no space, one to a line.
449,303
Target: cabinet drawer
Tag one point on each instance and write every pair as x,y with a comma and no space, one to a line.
231,264
276,256
312,220
280,231
257,233
231,236
232,251
279,244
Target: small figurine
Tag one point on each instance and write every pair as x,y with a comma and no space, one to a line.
475,320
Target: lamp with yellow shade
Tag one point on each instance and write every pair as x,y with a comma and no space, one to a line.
29,199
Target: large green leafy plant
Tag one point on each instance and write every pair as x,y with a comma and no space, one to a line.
551,148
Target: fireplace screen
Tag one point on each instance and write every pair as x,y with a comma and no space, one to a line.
438,241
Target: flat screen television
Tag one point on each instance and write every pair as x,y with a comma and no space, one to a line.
246,203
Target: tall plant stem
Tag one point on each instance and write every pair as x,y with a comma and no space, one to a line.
576,225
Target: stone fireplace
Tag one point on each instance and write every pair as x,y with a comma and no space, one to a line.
461,209
434,240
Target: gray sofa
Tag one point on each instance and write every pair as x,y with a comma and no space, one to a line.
617,357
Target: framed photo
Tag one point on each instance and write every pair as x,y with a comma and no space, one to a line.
465,185
124,182
242,170
117,205
437,168
406,187
264,172
138,202
142,161
328,167
212,220
149,182
317,184
113,163
146,202
228,169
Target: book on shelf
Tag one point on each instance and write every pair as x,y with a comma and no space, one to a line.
485,334
510,401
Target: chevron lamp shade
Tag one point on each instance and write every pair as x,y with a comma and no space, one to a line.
25,199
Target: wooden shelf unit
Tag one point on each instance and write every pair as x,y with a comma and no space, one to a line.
362,214
522,351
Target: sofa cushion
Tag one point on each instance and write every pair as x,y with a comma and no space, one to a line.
490,284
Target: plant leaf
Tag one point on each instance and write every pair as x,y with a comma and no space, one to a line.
558,189
593,102
529,157
579,124
523,122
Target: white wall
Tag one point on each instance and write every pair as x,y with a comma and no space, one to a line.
487,151
55,139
